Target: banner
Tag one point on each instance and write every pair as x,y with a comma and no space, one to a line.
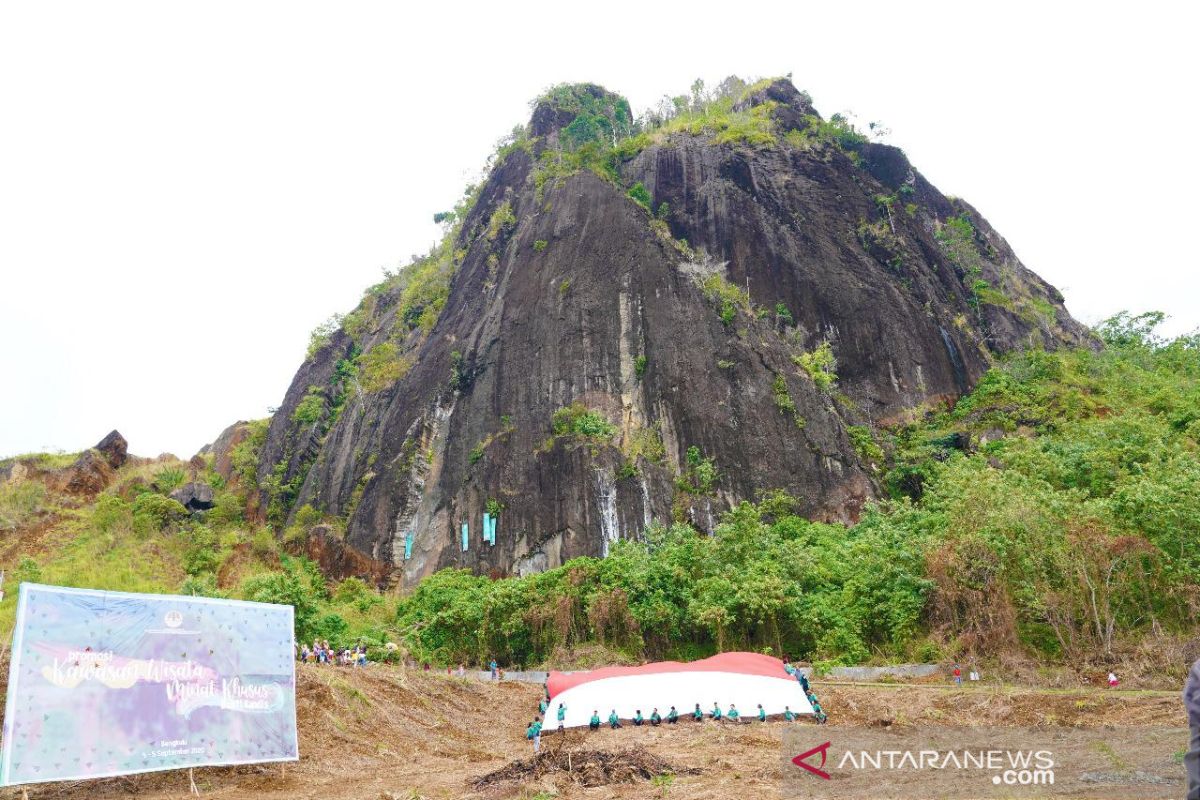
113,683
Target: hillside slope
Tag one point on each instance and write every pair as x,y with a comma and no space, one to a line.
626,325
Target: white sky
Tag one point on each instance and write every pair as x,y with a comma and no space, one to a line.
187,189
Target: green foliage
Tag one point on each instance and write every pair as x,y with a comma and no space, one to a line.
493,506
244,456
783,315
289,589
322,334
639,365
201,554
782,582
381,366
956,236
784,401
501,220
27,571
865,445
151,512
640,195
600,117
539,245
20,502
168,479
728,297
460,373
820,365
700,473
311,407
580,421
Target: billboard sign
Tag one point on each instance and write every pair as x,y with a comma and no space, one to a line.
112,683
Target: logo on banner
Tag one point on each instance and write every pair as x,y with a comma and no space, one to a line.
173,619
800,761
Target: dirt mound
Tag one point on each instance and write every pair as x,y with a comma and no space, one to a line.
586,767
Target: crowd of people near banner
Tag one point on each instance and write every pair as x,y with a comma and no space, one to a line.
716,714
322,653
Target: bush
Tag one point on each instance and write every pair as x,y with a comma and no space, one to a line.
20,501
201,554
285,588
168,479
578,420
381,366
153,512
820,365
639,194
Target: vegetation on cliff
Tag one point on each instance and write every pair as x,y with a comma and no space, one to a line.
1055,510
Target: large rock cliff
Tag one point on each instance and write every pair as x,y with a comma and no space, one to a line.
629,326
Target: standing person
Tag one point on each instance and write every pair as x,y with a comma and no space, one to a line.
493,666
800,676
542,706
655,718
534,733
1112,680
594,722
762,714
957,675
561,714
1191,702
672,716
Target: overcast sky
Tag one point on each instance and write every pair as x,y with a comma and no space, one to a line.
186,190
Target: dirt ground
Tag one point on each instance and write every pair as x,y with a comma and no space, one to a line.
386,732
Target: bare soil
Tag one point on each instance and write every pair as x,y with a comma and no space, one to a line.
387,732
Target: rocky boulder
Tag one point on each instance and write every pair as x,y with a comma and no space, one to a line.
114,449
194,496
94,468
222,448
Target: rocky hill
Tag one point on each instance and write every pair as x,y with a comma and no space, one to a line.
637,321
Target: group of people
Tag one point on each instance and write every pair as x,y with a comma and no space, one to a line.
534,731
322,653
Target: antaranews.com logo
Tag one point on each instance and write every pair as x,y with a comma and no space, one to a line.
976,762
1009,767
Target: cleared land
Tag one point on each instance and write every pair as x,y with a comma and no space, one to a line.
385,732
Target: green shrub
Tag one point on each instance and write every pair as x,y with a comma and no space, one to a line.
728,297
639,365
20,502
168,479
539,245
311,407
784,402
820,365
154,512
381,366
640,195
501,220
285,588
201,554
578,420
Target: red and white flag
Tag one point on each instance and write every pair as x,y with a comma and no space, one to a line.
741,679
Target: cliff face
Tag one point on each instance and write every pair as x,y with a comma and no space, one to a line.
681,304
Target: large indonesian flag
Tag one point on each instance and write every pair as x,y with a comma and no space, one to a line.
744,679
